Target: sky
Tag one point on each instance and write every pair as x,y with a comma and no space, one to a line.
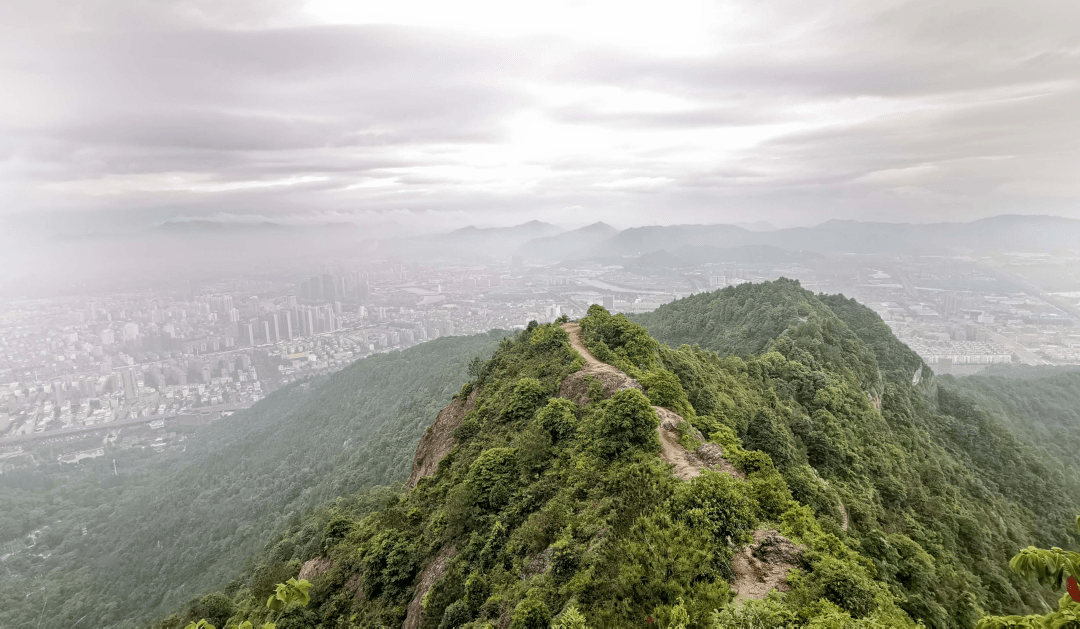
416,115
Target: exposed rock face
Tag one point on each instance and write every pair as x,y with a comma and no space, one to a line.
315,567
712,455
438,440
764,565
431,573
576,386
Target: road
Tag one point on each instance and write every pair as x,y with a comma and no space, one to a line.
64,432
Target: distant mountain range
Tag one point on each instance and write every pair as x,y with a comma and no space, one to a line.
572,244
1039,234
691,244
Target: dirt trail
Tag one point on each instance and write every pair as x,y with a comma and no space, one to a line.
760,567
687,465
576,385
592,363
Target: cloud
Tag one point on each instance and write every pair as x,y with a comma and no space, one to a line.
128,112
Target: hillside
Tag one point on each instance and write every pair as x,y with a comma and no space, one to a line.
1041,405
595,476
175,524
926,461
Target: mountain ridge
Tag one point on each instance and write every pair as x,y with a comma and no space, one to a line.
898,502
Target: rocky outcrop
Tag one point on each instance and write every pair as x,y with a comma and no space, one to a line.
438,440
430,574
576,386
687,464
763,566
315,567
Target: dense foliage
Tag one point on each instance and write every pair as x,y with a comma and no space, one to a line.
938,491
547,513
175,524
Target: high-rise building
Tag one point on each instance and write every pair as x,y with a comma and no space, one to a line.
609,302
131,331
128,378
276,327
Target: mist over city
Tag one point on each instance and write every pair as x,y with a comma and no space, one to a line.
364,307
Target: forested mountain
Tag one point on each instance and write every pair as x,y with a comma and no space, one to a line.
598,477
1041,405
172,525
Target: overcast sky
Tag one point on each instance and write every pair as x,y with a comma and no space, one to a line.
440,114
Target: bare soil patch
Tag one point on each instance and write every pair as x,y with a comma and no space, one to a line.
763,566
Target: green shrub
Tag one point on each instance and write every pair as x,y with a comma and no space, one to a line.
769,435
548,338
558,418
664,560
718,503
531,613
770,494
216,608
565,559
627,421
493,476
527,395
752,461
840,582
663,389
390,561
